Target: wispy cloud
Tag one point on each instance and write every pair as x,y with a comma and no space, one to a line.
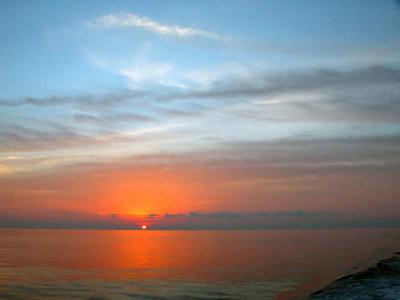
264,83
17,138
91,101
330,97
130,20
112,118
253,85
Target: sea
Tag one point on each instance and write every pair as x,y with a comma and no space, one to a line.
150,264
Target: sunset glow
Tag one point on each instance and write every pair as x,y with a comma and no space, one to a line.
200,149
141,113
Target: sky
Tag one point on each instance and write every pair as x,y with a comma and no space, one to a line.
199,114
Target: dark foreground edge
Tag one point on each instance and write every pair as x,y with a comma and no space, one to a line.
379,282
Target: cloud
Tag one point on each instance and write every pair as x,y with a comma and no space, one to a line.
153,216
195,220
112,118
242,220
266,84
335,102
321,95
129,20
14,137
235,215
141,73
17,138
255,84
92,101
283,182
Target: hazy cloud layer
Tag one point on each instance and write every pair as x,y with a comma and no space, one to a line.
292,175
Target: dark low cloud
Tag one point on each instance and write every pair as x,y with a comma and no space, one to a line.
235,215
153,216
299,219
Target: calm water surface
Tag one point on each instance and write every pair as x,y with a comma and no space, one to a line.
270,264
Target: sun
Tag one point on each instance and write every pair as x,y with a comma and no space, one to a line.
144,227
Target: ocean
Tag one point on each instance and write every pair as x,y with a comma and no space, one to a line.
149,264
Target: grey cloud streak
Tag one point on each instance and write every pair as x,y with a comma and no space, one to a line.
360,94
259,83
285,158
355,96
270,84
94,101
16,138
112,118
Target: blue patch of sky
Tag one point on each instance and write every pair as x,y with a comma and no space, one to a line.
43,42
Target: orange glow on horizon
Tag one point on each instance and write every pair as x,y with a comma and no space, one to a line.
138,195
143,192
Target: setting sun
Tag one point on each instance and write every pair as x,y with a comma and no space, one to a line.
257,140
